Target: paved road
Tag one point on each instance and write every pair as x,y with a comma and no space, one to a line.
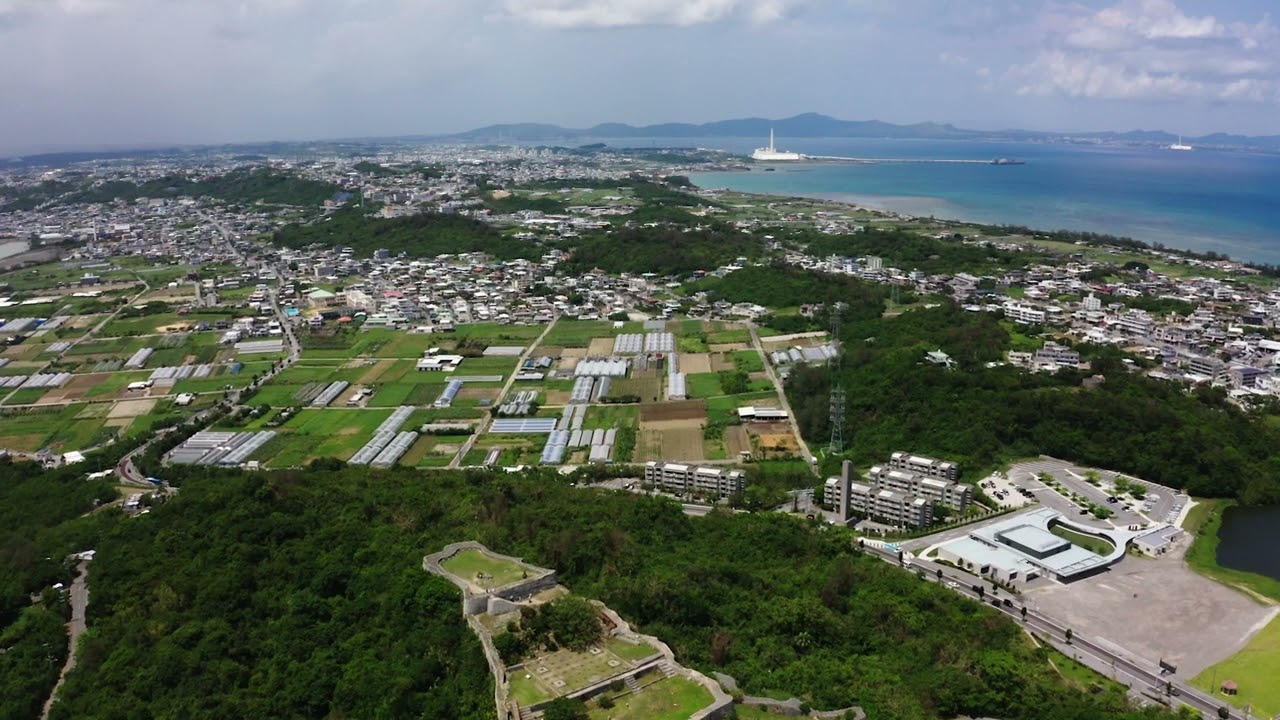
782,399
79,595
488,419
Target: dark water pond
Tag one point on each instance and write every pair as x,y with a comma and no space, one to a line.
1250,540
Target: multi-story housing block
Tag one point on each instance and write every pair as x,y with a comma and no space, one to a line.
686,479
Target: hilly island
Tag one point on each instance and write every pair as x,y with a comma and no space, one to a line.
465,432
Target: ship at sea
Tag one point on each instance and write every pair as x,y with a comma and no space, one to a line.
1008,161
772,154
1179,146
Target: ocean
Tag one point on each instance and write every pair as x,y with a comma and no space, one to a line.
1228,202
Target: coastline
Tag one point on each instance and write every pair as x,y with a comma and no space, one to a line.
923,207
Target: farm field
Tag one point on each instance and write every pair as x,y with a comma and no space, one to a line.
611,416
677,440
704,385
316,433
59,428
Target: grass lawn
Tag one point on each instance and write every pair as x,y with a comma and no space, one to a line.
1082,676
1255,669
1095,545
1204,520
627,651
673,698
747,712
526,691
468,564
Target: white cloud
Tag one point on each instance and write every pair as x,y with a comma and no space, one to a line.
1148,50
952,59
629,13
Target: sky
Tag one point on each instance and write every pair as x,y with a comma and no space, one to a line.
130,73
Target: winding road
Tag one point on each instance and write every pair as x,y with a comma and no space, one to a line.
79,595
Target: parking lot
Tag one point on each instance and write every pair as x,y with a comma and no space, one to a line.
1156,608
1005,492
1160,504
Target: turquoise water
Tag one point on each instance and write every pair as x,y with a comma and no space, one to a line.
1228,202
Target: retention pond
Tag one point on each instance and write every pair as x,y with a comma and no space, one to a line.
1249,540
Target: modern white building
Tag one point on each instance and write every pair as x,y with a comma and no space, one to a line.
1024,314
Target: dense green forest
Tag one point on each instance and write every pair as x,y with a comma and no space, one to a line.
301,594
982,416
785,286
241,186
40,525
661,250
423,235
914,251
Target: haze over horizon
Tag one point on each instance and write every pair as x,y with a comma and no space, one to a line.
125,73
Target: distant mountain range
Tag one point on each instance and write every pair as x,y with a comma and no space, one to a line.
814,125
808,125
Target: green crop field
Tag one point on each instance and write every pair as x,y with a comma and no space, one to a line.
331,422
610,416
580,333
25,396
116,382
30,430
723,337
727,407
392,395
704,385
748,361
497,333
1254,669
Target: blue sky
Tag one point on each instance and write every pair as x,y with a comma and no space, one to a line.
93,73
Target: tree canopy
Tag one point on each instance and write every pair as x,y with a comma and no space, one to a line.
301,594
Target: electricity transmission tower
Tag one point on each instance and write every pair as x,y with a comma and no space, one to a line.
836,445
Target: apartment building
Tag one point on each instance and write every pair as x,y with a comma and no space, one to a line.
1206,365
686,479
855,499
955,495
1054,354
1136,322
926,466
1024,314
